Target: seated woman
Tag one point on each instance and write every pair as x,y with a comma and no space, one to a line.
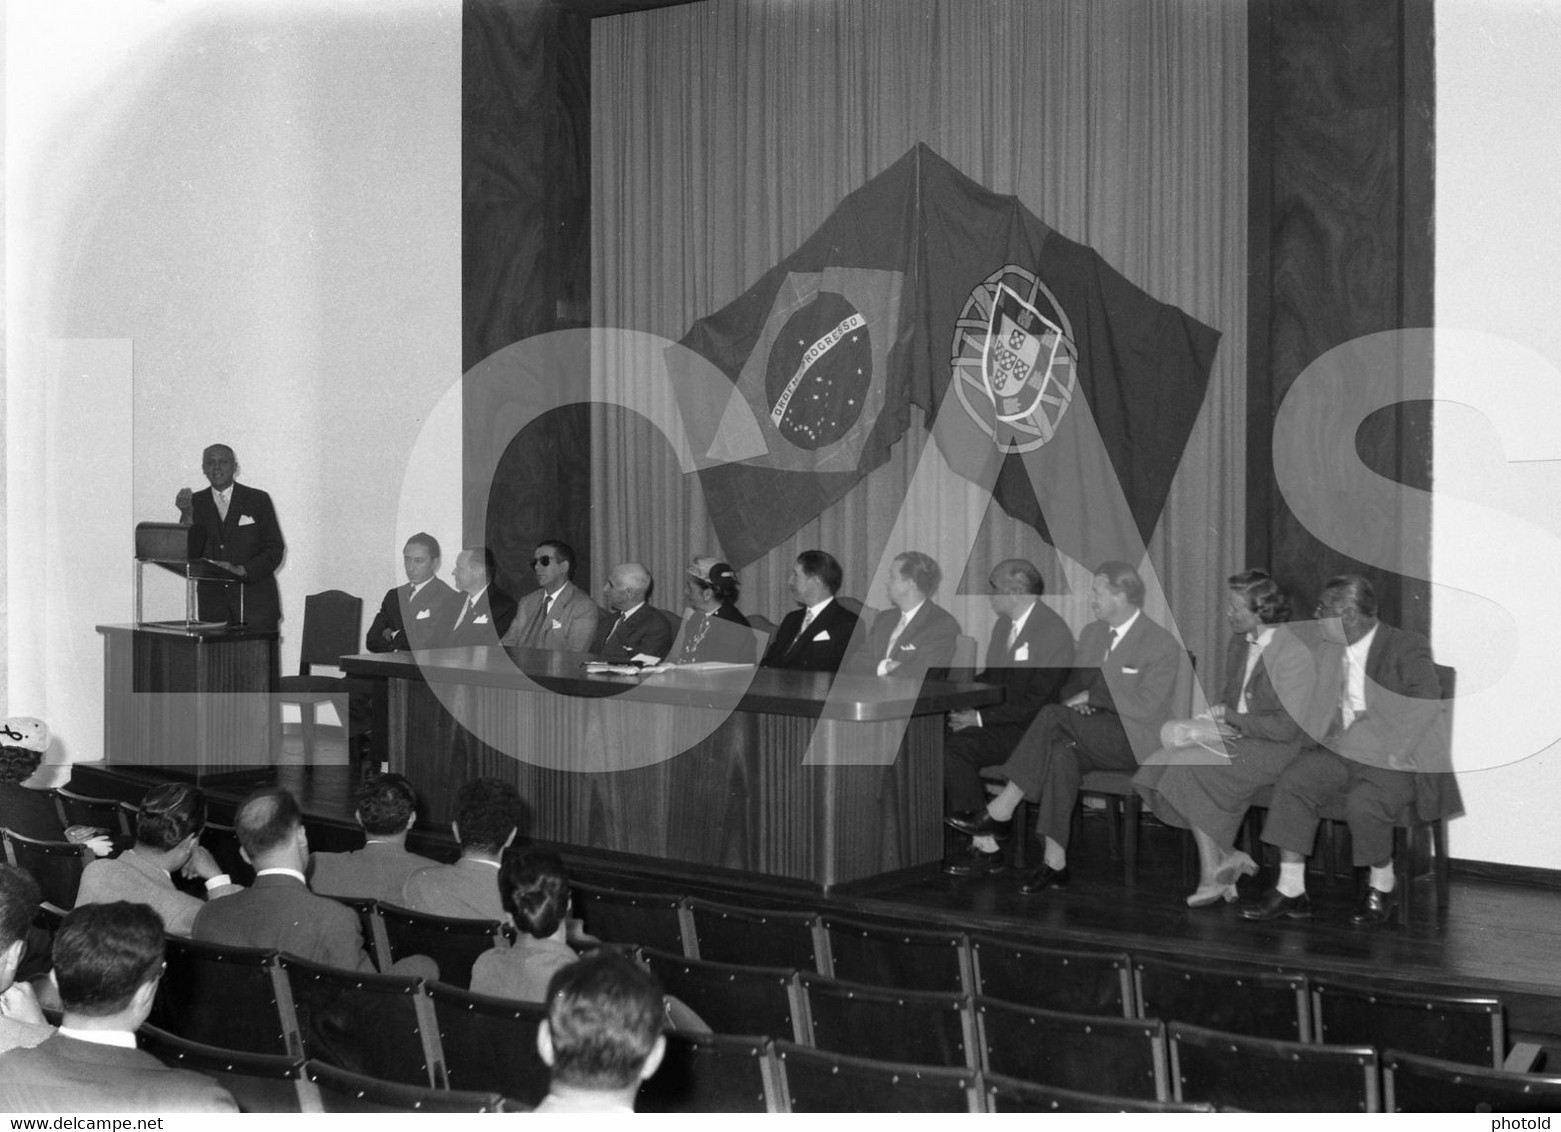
1206,776
23,810
534,889
713,629
167,840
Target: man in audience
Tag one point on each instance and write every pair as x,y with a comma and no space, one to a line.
1375,721
915,639
484,613
1029,656
602,1035
168,834
1113,707
239,531
637,629
815,637
488,813
108,959
386,811
278,910
558,615
414,615
21,1021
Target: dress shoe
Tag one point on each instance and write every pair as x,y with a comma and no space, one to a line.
1275,905
1043,878
1376,907
1234,867
1212,894
980,823
973,863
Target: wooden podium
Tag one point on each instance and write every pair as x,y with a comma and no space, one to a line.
189,700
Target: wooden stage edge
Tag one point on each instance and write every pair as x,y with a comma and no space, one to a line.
1497,937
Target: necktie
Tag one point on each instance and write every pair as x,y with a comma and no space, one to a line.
466,607
894,637
1013,636
1346,707
613,631
222,504
807,619
1116,635
535,629
1254,654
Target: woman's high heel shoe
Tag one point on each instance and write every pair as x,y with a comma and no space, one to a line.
1212,894
1234,867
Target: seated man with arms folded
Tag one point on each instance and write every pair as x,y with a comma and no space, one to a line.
916,638
602,1035
815,637
488,813
379,870
168,839
713,629
535,891
108,959
414,615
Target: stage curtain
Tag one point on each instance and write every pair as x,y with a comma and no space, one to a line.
724,133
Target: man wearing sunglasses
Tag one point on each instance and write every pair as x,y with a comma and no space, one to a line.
558,614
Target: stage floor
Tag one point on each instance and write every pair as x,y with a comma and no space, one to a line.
1495,938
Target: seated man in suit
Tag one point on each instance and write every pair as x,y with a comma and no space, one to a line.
915,639
485,612
1377,744
414,615
488,813
278,910
815,637
168,840
22,1024
108,960
558,614
239,531
637,629
1030,656
386,810
1113,707
713,629
602,1035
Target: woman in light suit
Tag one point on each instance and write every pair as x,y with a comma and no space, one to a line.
1210,767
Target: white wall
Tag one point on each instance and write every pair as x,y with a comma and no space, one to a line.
261,202
1498,272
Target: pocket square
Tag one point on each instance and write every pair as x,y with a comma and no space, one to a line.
907,648
1022,652
824,636
1126,671
246,521
424,614
483,620
557,624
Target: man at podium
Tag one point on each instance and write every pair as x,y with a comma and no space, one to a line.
239,532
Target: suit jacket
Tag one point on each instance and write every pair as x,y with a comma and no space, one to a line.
1279,693
648,630
1404,727
68,1075
1137,680
570,625
485,624
821,649
726,637
378,870
923,650
249,537
1031,673
434,607
467,890
132,877
280,912
22,1035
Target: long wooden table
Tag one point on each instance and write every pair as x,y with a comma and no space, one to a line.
764,771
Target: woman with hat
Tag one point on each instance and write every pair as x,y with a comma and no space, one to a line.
713,629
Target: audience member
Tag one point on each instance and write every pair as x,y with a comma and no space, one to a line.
638,630
1029,657
380,869
108,959
713,629
278,910
485,612
916,638
1378,745
22,1023
558,614
414,615
488,813
31,813
815,637
602,1035
239,531
167,840
1113,708
534,889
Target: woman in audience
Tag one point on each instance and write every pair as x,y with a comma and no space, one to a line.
31,813
534,889
1211,766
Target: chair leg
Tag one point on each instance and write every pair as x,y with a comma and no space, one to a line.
306,717
1113,834
1131,806
1404,851
1021,832
1442,868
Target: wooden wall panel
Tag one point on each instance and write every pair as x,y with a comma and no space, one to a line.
1340,230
